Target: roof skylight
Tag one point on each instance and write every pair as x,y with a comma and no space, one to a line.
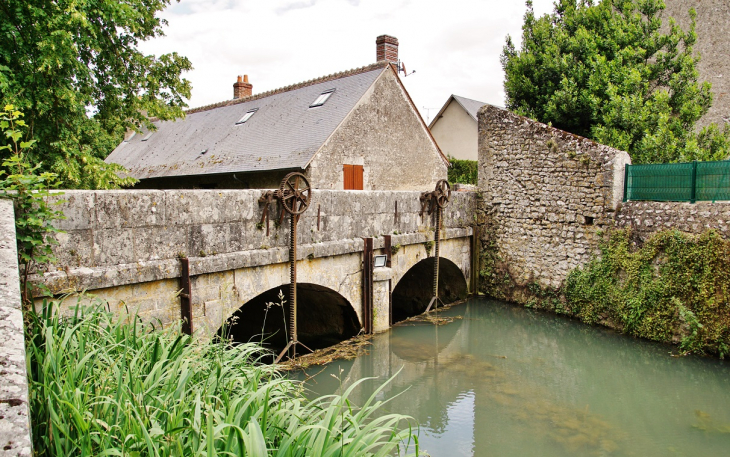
247,116
147,137
323,97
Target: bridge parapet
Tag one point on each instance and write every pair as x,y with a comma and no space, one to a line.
121,238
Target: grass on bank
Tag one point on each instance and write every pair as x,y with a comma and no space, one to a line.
102,386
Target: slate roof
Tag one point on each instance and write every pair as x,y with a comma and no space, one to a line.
469,105
284,133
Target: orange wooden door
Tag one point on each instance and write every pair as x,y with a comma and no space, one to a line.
349,173
357,177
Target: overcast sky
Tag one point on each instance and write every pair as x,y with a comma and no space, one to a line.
453,46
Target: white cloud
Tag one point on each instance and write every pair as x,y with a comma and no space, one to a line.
453,46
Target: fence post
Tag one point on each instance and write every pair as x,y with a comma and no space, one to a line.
626,182
693,191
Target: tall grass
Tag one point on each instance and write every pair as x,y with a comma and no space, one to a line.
110,387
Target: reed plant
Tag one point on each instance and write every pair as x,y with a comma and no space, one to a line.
105,386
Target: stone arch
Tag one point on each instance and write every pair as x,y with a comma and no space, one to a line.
324,318
413,291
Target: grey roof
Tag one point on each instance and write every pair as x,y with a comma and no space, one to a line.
469,105
283,134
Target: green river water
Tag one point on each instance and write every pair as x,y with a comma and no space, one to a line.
502,380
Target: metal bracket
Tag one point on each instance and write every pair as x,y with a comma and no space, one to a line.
266,199
186,297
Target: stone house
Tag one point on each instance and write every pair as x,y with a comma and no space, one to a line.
455,127
713,46
357,129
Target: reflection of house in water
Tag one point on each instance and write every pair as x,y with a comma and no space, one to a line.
357,129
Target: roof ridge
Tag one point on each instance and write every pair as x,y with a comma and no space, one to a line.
311,82
466,98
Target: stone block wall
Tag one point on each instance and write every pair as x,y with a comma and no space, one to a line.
124,246
546,195
14,419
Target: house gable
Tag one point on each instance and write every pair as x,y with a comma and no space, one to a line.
456,131
385,134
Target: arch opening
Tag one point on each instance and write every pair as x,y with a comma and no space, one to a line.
414,291
324,318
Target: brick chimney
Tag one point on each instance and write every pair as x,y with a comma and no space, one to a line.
242,88
387,48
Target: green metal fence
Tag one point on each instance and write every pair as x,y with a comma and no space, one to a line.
678,182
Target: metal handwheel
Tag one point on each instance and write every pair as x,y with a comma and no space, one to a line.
295,193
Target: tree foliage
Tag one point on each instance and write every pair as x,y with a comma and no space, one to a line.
74,68
462,171
611,72
29,190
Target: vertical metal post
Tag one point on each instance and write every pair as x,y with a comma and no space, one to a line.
475,244
293,283
437,238
367,285
186,309
626,182
388,250
693,191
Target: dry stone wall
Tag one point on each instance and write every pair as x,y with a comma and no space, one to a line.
546,195
645,218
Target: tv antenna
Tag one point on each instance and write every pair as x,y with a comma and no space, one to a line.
402,68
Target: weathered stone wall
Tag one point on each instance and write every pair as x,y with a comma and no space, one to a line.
124,246
14,418
645,218
547,194
385,135
713,45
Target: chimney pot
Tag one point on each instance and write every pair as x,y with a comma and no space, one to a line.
386,48
242,88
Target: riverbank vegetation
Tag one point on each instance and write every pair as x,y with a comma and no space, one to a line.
675,287
118,387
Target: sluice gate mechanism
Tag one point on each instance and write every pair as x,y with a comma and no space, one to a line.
294,195
436,201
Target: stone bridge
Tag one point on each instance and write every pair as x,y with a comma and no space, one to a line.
125,249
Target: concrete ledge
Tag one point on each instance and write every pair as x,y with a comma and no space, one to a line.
14,413
79,279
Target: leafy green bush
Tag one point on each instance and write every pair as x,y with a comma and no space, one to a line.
29,190
105,386
673,288
462,171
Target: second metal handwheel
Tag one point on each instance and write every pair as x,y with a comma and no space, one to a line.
442,193
295,193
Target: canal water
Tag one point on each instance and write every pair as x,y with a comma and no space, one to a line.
503,380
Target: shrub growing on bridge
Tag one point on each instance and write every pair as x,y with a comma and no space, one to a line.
104,386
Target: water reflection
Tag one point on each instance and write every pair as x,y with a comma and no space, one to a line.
508,381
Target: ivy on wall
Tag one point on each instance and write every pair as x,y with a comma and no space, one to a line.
672,288
675,287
